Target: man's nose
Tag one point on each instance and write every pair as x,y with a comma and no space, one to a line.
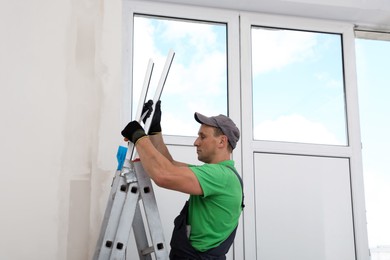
196,143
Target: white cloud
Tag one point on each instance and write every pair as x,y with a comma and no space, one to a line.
200,77
294,128
276,49
199,36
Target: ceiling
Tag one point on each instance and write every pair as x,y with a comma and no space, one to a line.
366,14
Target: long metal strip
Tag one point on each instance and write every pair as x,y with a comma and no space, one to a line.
160,86
158,92
145,89
141,102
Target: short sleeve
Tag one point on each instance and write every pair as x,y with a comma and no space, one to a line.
213,178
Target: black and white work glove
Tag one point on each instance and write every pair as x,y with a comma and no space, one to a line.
147,108
133,132
155,126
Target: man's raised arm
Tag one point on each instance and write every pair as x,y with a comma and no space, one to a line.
155,134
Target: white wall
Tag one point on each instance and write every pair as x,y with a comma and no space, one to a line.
60,94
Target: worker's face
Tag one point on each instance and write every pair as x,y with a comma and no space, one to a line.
206,144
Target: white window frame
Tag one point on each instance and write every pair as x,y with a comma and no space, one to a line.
190,13
352,151
375,35
239,90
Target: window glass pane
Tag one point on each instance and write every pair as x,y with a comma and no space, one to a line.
373,63
298,86
197,81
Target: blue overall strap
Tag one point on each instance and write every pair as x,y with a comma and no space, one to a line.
242,185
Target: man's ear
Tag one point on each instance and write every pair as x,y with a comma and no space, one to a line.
223,140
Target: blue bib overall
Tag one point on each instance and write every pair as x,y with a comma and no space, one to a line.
181,248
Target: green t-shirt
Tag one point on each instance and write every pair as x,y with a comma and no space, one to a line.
214,215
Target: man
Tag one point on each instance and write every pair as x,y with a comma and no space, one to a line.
206,226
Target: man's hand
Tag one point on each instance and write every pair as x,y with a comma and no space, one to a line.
147,108
133,132
155,126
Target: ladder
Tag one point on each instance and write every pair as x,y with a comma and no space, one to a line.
131,186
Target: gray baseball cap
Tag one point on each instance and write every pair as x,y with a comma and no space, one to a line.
224,123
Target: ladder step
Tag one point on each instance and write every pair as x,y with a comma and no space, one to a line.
147,251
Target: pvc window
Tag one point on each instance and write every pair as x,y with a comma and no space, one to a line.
197,80
298,86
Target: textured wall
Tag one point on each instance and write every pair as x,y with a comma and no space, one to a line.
60,94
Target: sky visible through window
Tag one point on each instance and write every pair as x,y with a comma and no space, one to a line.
373,63
298,86
197,81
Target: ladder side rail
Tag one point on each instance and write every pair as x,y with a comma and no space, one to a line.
124,225
113,220
151,212
107,213
140,235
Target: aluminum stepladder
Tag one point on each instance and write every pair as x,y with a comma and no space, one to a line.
130,187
